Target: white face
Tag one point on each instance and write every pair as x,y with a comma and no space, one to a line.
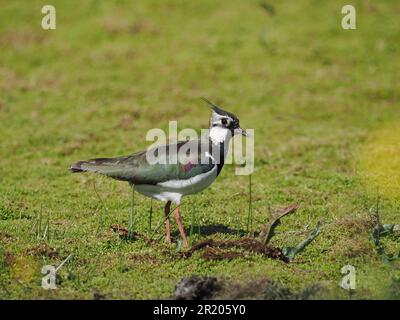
220,134
222,126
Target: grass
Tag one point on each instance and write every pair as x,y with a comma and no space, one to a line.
250,213
150,217
132,216
324,104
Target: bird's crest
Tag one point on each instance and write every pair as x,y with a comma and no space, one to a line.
218,110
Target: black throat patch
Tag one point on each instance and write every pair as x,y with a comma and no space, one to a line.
219,154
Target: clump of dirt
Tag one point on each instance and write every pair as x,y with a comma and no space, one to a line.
261,289
197,288
121,230
219,250
97,295
43,249
253,289
210,253
205,287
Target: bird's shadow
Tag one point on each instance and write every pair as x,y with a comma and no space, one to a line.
210,229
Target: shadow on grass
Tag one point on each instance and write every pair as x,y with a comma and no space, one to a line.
207,230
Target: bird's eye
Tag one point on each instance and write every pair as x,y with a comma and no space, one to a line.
224,121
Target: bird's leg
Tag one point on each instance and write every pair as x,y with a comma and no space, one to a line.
178,220
167,223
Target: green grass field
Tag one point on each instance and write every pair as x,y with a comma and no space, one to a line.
323,101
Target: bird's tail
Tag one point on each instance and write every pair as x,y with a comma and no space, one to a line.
113,167
92,165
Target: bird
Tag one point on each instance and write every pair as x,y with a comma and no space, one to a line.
169,181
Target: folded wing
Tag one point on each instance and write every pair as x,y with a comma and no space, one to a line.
137,169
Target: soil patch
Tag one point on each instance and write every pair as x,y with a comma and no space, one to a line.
220,250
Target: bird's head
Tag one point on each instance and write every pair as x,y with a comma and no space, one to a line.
224,122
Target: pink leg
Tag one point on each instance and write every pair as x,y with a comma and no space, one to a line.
178,220
167,223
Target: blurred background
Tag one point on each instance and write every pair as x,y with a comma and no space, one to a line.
323,101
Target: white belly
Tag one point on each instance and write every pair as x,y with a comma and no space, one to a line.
174,190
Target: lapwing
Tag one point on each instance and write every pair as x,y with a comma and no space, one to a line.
169,181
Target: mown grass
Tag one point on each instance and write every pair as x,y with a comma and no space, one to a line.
314,93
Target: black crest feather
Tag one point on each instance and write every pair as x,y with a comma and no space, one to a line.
218,109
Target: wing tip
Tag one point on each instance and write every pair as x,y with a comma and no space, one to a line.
76,167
